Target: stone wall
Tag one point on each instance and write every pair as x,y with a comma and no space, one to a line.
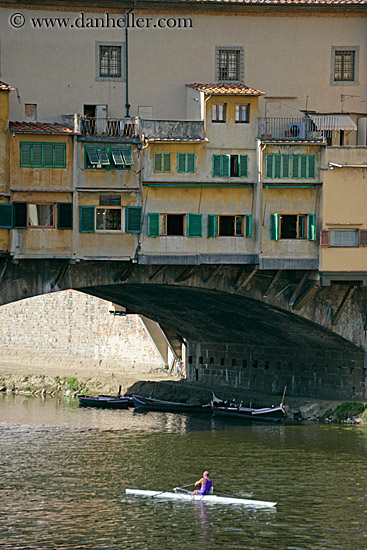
75,329
315,373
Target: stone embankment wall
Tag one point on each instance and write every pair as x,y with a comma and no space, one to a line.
72,333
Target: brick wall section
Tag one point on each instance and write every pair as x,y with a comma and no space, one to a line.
76,327
315,373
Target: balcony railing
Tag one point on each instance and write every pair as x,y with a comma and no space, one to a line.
110,127
271,128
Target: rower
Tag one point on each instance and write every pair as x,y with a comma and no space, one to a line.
206,484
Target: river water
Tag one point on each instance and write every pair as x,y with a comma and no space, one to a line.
64,470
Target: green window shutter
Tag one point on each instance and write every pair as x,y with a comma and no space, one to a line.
60,155
166,162
86,219
19,215
102,155
65,215
275,227
48,155
212,225
295,166
243,168
127,154
248,225
117,157
226,165
269,162
153,225
311,166
157,162
304,166
311,227
25,154
191,162
37,159
181,162
92,156
277,166
285,166
6,216
133,219
194,225
217,166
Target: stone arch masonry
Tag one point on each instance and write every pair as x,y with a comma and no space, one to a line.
255,329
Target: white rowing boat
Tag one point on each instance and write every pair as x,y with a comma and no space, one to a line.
210,499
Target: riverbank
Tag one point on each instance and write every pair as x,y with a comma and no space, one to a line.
161,385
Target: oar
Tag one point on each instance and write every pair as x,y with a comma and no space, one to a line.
228,494
165,491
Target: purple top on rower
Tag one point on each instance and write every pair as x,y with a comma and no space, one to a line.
205,489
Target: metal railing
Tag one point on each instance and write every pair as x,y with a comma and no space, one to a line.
110,127
272,128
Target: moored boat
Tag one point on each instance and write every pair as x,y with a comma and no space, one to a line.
151,404
232,410
210,499
104,401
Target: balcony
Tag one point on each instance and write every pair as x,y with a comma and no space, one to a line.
109,127
175,130
289,129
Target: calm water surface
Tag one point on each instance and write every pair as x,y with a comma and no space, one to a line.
64,470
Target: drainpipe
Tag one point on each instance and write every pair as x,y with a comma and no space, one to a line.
127,104
259,195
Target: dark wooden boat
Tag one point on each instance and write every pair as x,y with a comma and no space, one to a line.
150,404
104,401
230,409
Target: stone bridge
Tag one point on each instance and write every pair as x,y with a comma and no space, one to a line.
241,326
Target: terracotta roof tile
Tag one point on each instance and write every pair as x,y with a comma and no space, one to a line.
39,128
5,87
227,89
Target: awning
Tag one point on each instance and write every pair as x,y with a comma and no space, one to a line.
333,122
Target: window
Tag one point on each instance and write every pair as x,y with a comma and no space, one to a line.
344,65
109,199
229,63
96,218
219,112
162,162
110,61
108,219
41,215
110,157
282,166
229,226
42,155
30,112
185,162
344,237
176,225
242,113
293,226
230,166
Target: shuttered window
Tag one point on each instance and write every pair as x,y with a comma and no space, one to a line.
303,166
212,225
311,227
277,166
293,226
19,215
109,157
42,155
64,215
6,216
162,162
185,162
153,225
86,219
221,166
133,219
274,227
194,225
243,166
229,226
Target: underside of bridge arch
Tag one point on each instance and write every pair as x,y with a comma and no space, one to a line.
239,341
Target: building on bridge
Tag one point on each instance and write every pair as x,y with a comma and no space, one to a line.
190,141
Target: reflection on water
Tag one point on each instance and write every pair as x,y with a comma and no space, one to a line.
64,471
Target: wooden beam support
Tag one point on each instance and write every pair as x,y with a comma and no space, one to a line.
306,297
3,269
126,272
61,274
160,269
272,282
213,274
186,274
248,279
298,289
343,304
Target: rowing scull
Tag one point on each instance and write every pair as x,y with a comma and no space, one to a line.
210,499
